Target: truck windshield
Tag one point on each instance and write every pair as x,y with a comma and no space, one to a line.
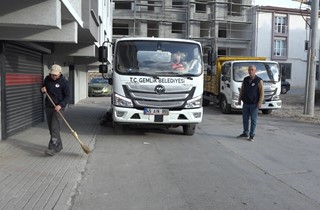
158,58
268,72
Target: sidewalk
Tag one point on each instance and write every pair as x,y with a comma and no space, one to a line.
29,179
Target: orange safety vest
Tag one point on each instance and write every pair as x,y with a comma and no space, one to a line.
177,66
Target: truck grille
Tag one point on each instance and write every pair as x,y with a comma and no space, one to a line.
268,94
173,97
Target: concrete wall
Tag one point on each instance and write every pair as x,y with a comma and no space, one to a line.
80,83
32,13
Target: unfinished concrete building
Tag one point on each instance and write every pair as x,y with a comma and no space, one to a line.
225,25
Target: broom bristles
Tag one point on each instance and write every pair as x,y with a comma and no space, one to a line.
84,147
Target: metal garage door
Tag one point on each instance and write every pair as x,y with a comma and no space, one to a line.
23,102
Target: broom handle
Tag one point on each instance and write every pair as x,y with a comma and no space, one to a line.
59,112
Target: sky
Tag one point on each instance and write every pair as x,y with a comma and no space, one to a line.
278,3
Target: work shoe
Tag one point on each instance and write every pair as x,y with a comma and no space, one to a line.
58,148
251,138
50,152
243,136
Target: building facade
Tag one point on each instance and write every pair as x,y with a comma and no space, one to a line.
36,34
282,35
225,25
231,27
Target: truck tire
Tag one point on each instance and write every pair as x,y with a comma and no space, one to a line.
225,107
117,128
188,130
266,111
283,90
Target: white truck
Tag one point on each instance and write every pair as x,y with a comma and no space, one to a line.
147,90
224,79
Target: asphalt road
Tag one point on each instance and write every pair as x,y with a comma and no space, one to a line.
153,169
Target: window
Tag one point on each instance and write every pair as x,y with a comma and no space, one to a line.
234,7
151,8
177,28
281,24
177,3
222,52
153,29
222,31
122,5
120,29
201,8
204,29
280,47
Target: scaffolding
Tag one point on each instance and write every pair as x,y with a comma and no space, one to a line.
225,25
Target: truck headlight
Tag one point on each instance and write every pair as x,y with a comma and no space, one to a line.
122,101
275,98
194,103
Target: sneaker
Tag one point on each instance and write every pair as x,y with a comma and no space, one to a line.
50,152
243,136
251,138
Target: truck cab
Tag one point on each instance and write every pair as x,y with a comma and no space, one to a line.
232,75
157,81
225,76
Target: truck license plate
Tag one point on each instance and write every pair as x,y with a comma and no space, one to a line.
150,111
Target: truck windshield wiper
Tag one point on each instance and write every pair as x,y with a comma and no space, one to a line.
189,76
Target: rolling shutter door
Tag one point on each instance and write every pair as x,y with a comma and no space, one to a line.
23,100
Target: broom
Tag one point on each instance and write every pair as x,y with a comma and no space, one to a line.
84,147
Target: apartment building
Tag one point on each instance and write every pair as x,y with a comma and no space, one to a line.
282,35
225,25
35,34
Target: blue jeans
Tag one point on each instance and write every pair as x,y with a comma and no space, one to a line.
249,111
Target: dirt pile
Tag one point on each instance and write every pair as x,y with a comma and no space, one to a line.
293,107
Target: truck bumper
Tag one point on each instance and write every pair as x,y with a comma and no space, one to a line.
266,105
134,116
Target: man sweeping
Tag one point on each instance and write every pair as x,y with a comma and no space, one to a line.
57,87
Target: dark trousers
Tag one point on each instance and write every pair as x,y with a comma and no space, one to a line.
53,120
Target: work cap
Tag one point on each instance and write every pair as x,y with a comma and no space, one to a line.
55,69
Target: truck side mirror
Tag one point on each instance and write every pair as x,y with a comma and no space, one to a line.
211,62
103,54
211,57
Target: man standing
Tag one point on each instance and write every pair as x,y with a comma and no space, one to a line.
252,95
57,87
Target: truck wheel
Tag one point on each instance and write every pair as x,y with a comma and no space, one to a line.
117,128
266,111
188,130
283,90
225,107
